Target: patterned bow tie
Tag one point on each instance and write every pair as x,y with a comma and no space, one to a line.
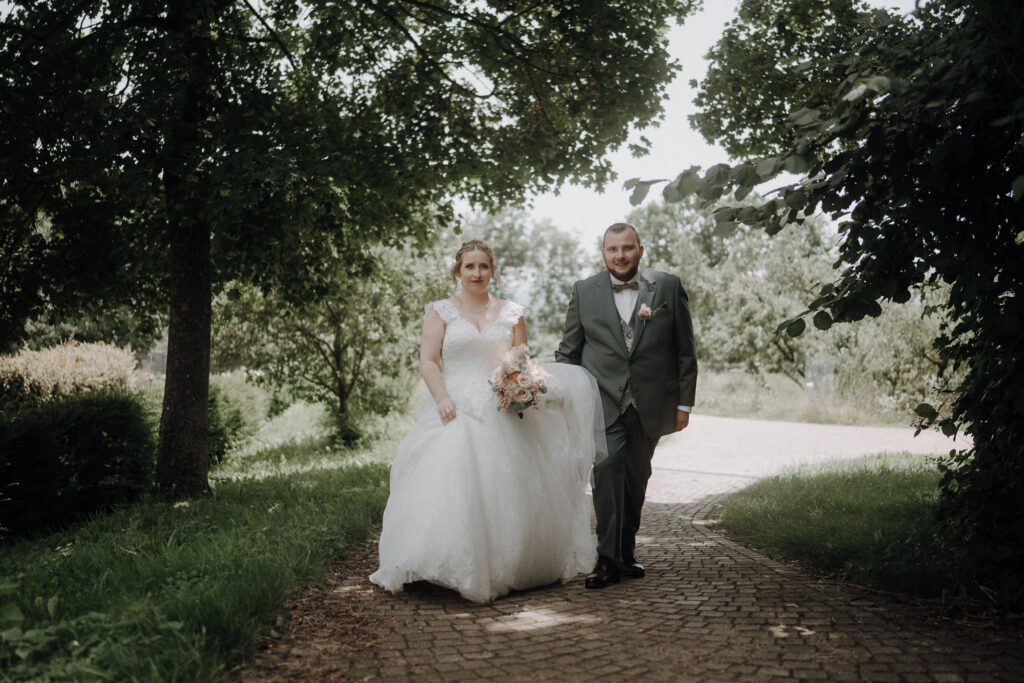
625,285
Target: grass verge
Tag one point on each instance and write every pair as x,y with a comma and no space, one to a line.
775,397
868,521
167,592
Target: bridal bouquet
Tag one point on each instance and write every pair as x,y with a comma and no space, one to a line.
518,382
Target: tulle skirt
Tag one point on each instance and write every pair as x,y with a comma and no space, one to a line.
492,502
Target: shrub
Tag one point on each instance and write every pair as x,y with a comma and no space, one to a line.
225,425
252,400
237,409
33,377
72,457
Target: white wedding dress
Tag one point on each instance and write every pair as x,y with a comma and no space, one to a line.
492,502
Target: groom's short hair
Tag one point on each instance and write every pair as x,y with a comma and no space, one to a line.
621,227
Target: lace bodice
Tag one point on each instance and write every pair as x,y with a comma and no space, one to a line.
469,355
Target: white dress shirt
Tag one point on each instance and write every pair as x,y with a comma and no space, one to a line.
625,302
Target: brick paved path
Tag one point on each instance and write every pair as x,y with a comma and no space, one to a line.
709,609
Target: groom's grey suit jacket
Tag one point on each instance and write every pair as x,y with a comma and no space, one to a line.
661,365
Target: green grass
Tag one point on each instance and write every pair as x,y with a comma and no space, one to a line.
868,521
740,394
168,592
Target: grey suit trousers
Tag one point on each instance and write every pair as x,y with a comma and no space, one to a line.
620,484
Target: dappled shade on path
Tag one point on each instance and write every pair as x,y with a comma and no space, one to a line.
709,609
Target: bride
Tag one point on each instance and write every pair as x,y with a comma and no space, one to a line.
484,501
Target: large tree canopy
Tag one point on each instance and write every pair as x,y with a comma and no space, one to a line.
918,152
742,284
771,56
152,151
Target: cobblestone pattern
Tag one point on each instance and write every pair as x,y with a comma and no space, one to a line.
708,609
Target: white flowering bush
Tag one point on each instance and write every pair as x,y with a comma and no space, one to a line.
74,438
33,377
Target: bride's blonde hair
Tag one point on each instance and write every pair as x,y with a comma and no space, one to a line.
472,245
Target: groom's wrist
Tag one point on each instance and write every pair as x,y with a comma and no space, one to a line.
685,409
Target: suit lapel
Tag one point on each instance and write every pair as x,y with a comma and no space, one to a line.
611,314
645,297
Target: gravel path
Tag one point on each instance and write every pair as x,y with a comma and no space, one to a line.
709,609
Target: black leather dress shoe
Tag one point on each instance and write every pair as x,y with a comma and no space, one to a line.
632,570
604,574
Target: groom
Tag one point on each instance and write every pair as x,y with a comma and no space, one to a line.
632,331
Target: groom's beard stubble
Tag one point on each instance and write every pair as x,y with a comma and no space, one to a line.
628,275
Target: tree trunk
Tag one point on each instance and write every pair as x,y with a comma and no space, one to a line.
347,432
183,453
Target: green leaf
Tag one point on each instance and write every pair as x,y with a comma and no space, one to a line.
639,192
926,411
805,116
796,199
822,320
724,213
10,613
796,328
630,184
774,226
796,163
767,168
689,181
718,174
670,193
747,214
710,192
726,228
856,93
746,175
1017,188
880,84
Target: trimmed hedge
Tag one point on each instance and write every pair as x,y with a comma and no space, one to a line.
33,377
73,457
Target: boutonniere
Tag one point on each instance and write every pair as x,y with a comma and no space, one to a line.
645,313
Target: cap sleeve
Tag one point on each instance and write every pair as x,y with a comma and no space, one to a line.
445,310
512,312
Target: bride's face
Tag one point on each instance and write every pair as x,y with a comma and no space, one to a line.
476,271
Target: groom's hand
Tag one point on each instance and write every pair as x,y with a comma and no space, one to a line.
682,419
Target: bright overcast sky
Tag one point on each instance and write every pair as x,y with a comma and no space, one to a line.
674,146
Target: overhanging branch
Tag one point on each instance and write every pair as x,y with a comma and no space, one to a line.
273,33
